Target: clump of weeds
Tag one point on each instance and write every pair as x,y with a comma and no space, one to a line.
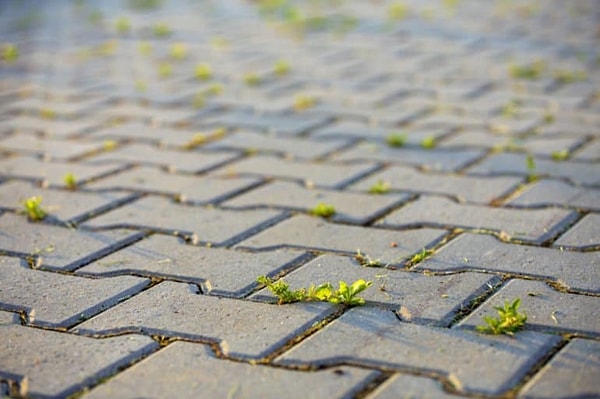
396,139
509,319
380,187
323,210
32,207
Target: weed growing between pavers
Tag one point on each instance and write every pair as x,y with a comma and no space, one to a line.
380,187
302,103
531,168
122,25
396,139
203,71
366,260
509,319
70,180
32,207
531,71
10,52
323,210
421,256
281,68
344,295
560,155
178,51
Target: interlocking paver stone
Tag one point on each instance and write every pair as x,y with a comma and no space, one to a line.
388,246
576,270
355,130
573,372
463,188
47,148
586,233
589,152
424,299
242,328
546,308
206,224
51,128
56,300
56,364
217,271
553,192
200,374
534,225
409,386
377,337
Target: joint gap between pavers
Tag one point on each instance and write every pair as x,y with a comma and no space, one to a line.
429,250
371,384
116,170
75,221
255,230
344,147
475,300
463,168
579,145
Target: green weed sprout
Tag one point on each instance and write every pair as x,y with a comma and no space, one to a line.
532,71
508,322
530,164
161,30
165,70
70,180
10,52
380,187
428,142
564,76
396,139
366,261
560,155
304,102
251,79
398,11
420,257
323,210
214,89
122,25
281,68
33,208
178,51
344,295
203,71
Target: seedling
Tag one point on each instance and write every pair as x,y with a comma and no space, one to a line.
161,30
428,142
214,89
10,52
251,79
109,145
366,261
421,256
398,11
568,76
396,139
203,71
70,180
560,155
509,319
530,164
323,210
165,70
304,102
32,207
281,68
532,71
178,51
344,295
380,187
122,25
47,113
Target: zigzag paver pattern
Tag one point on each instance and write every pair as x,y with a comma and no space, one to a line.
200,135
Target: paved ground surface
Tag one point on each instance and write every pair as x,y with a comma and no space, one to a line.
198,136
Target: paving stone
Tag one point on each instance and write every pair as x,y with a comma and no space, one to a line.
589,152
586,233
318,173
46,148
57,300
55,364
431,300
376,337
242,328
576,270
271,143
535,225
512,163
54,244
59,204
216,271
433,159
410,386
200,374
546,308
357,130
553,192
573,372
61,108
211,226
462,188
50,173
133,112
185,187
515,125
175,161
59,129
388,246
349,207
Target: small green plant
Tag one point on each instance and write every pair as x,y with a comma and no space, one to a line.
161,30
531,71
32,207
251,79
565,76
560,155
178,51
165,70
10,52
344,295
509,319
304,102
380,187
323,210
421,256
47,113
203,71
398,11
428,142
531,167
366,261
214,89
396,139
122,25
70,180
281,68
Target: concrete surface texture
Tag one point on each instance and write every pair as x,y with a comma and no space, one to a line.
158,156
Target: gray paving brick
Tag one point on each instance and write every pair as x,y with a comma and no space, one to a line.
589,152
518,125
357,130
133,112
318,173
242,328
57,300
350,207
388,246
576,270
546,308
53,244
573,372
200,374
61,108
432,300
52,173
208,225
462,188
376,337
586,233
54,364
536,225
433,159
552,192
217,271
512,163
47,148
176,161
52,128
184,187
410,386
62,205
